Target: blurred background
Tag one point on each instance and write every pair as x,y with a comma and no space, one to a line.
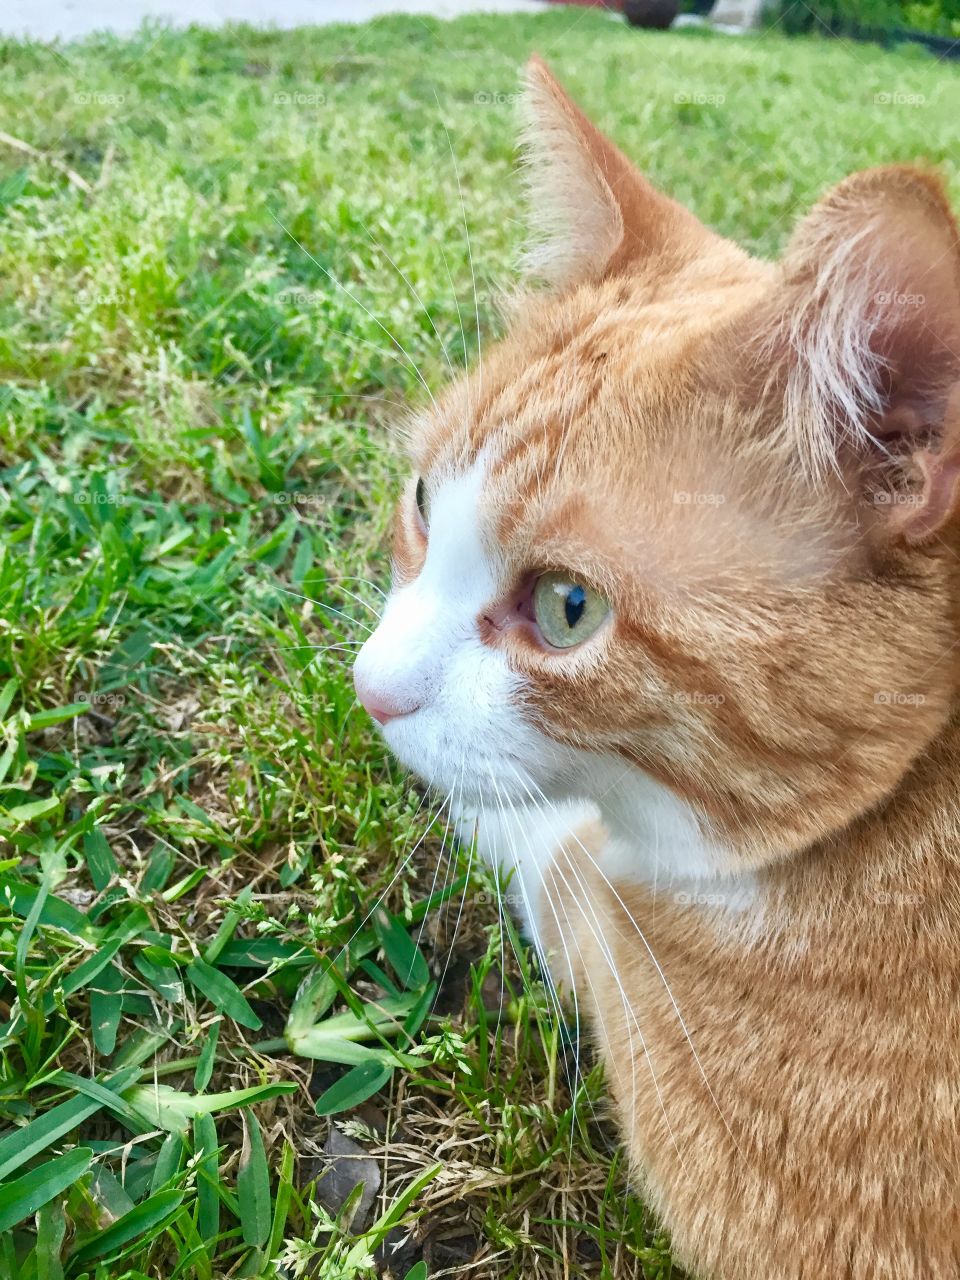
67,19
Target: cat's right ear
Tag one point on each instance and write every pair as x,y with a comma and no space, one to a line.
592,212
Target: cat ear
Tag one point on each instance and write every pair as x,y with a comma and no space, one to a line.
867,316
592,212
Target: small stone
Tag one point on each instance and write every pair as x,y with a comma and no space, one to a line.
346,1164
397,1253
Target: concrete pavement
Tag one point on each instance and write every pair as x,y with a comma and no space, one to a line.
71,19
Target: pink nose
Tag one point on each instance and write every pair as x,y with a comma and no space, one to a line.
380,705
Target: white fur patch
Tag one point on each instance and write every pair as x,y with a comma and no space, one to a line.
468,735
470,740
657,840
520,842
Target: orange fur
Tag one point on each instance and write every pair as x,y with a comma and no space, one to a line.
756,465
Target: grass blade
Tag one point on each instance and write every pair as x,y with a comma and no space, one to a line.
173,1109
56,715
223,993
168,1162
25,1195
106,1007
139,1222
51,1229
100,860
204,1071
284,1197
135,1121
399,948
253,1184
359,1083
208,1176
25,1143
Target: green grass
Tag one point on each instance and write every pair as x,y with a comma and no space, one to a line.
196,473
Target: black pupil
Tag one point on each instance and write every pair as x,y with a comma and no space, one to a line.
574,605
422,498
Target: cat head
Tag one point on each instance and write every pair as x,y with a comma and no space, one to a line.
693,521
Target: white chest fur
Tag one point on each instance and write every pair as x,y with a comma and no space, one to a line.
652,839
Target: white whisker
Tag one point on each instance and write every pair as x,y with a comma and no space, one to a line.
549,983
466,232
366,310
320,604
663,978
596,932
413,291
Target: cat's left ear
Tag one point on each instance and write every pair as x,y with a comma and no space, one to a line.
592,212
866,316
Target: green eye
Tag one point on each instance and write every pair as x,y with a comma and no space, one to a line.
566,611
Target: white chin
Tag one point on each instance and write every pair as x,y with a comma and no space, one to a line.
469,765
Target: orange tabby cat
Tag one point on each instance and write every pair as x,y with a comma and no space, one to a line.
675,625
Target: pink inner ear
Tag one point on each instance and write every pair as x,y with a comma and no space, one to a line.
866,319
938,504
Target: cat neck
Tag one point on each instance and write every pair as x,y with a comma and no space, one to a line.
917,827
659,838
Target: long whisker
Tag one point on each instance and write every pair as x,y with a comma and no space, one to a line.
322,605
456,303
433,885
596,932
366,310
344,645
549,983
339,579
631,1020
466,887
359,395
505,933
360,600
396,875
413,291
448,824
358,577
466,232
577,1078
661,975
